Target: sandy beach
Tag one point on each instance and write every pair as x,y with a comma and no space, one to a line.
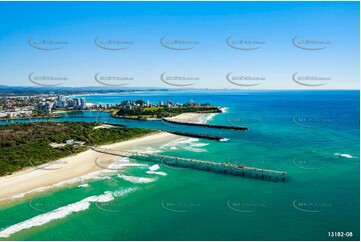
34,178
31,179
190,117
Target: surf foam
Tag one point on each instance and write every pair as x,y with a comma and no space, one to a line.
348,156
134,179
62,212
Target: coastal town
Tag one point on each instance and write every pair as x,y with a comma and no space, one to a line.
40,105
46,105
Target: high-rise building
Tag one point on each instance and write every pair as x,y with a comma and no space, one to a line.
191,102
77,102
71,103
61,98
82,103
48,107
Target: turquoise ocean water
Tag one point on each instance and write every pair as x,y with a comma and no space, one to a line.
312,135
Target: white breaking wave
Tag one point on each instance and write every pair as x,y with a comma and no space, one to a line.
173,144
84,185
161,173
135,179
348,156
193,149
199,144
123,192
62,212
224,140
190,144
209,117
148,150
224,110
186,141
153,170
154,167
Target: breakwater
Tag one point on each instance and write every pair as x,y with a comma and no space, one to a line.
202,136
174,121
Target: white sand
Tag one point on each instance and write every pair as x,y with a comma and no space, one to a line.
189,117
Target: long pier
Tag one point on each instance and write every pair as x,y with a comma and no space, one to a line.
174,121
225,168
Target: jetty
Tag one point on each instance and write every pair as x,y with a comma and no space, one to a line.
175,121
224,168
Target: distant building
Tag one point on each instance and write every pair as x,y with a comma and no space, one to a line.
48,107
82,103
61,98
191,103
71,103
11,115
169,104
77,103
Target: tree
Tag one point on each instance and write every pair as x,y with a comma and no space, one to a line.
140,102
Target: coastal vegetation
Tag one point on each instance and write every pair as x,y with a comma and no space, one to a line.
144,112
30,144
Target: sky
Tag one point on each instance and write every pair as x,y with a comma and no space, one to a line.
231,45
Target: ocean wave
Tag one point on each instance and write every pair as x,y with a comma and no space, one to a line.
224,110
134,179
153,170
61,212
190,144
148,150
84,185
154,167
209,117
161,173
186,140
224,140
193,149
348,156
199,144
124,163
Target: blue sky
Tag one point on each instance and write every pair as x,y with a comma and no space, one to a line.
274,24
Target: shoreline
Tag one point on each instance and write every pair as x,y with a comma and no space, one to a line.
36,179
39,178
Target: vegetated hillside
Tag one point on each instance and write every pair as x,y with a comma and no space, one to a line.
23,145
159,112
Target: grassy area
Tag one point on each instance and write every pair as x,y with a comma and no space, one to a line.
23,145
